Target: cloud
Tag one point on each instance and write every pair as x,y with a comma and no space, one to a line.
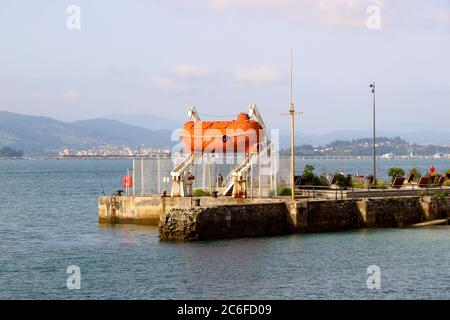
47,96
173,82
169,84
71,95
444,16
190,71
259,75
346,13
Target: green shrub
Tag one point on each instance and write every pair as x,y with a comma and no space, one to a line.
396,172
358,184
344,180
416,172
310,178
440,195
380,184
285,191
200,193
423,193
308,173
436,176
446,183
321,180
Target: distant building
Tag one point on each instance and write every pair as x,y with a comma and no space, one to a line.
64,153
117,151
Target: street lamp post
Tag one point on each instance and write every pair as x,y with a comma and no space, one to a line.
292,114
372,86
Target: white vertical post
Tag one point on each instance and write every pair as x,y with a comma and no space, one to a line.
251,179
259,177
142,176
159,176
277,165
209,175
203,173
134,177
270,175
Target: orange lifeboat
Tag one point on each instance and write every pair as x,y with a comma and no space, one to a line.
238,136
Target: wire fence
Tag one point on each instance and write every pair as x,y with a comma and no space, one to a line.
264,177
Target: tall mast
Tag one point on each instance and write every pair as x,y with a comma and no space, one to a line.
292,113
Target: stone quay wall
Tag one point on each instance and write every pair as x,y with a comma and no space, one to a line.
217,218
148,209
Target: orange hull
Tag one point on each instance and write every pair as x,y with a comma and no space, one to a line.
239,136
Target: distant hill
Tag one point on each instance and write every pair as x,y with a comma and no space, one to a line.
37,135
8,152
419,137
146,121
363,147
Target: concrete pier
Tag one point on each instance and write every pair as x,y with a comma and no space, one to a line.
216,218
149,209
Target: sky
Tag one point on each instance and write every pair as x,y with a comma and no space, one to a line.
159,57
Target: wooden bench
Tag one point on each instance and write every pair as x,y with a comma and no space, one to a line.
424,182
411,178
298,181
333,180
441,181
398,182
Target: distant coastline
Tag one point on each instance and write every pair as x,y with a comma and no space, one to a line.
337,158
83,158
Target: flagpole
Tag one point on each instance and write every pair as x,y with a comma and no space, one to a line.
292,113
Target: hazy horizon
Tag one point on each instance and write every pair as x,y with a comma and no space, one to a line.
158,57
302,137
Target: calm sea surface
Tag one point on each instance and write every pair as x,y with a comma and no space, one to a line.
48,221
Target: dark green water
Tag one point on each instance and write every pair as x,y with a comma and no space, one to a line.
48,221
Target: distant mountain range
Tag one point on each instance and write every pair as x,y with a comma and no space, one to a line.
146,121
419,137
36,135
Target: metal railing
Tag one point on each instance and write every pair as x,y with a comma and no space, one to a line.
369,192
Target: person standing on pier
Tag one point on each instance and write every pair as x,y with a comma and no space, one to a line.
188,181
219,180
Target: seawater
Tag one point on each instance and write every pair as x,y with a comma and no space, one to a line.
48,222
